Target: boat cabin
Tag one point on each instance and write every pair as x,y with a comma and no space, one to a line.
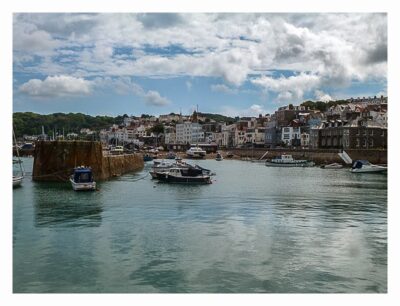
83,175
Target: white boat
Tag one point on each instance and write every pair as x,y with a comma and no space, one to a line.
332,166
196,152
364,166
286,160
17,180
82,179
219,157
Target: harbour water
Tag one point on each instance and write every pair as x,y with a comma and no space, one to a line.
255,229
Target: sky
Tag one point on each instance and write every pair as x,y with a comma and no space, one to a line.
155,63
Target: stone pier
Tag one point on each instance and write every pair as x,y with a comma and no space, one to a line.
55,160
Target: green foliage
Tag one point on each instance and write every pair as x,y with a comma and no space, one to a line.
158,129
31,124
322,106
217,118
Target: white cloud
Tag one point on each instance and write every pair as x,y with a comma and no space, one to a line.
223,88
321,96
56,86
337,48
252,111
188,85
289,89
153,98
125,86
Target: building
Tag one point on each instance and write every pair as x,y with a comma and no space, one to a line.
189,132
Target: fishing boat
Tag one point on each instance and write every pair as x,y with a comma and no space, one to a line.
82,179
364,166
332,166
164,166
196,152
218,157
286,160
184,176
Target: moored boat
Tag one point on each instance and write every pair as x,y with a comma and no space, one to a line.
82,179
364,166
218,157
170,155
332,166
147,158
286,160
17,181
184,176
196,152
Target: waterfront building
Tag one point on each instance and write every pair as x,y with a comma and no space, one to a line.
170,135
291,135
189,132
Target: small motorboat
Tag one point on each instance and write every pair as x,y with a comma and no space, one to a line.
286,160
196,152
147,158
332,166
183,176
82,179
218,157
364,166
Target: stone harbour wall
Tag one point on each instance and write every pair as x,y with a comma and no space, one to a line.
55,160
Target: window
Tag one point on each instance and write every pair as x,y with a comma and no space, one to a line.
364,142
358,142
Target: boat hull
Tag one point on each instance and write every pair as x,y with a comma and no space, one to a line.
369,170
89,186
17,181
168,178
305,164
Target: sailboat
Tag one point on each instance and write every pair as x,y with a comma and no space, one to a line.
17,178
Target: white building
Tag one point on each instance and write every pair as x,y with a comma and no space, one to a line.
170,135
189,132
289,133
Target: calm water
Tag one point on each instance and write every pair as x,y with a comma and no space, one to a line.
255,229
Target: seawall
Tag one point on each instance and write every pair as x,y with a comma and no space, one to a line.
374,156
55,160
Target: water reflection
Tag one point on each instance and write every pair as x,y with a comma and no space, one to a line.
58,204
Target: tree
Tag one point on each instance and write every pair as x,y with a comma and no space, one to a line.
158,129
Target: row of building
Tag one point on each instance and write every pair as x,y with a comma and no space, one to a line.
356,124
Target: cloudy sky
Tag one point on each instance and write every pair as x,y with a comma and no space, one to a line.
233,64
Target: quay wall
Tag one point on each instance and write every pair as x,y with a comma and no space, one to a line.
55,160
318,156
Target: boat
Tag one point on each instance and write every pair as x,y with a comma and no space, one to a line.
170,155
17,181
286,160
164,166
196,152
147,158
332,166
219,157
184,176
17,177
117,150
364,166
82,179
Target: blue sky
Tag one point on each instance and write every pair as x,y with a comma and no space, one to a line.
233,64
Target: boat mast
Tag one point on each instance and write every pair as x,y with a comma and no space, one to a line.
19,159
